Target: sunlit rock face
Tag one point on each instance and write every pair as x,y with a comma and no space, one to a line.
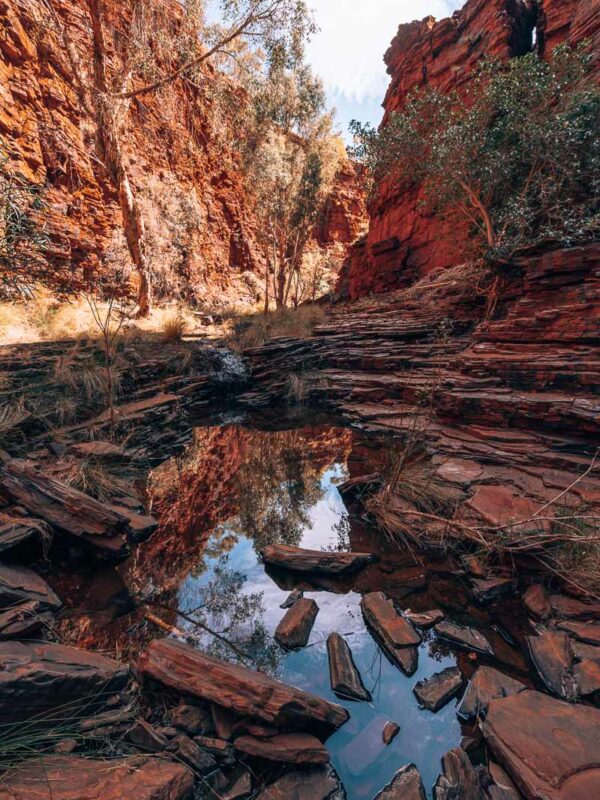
200,221
404,243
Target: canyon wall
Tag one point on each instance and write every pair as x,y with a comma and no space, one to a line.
404,243
202,232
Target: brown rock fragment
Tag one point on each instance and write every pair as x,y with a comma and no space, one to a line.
344,675
294,629
390,731
405,785
288,748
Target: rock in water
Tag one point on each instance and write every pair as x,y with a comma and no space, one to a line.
288,748
74,778
390,731
293,596
433,693
19,584
294,629
249,693
466,638
397,636
552,657
425,619
548,747
43,679
486,685
458,780
321,783
322,562
405,785
344,675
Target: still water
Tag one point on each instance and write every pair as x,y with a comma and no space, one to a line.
282,486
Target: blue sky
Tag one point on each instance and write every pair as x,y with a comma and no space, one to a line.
348,52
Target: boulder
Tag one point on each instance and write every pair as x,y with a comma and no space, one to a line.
396,635
294,629
190,672
57,777
536,601
405,785
549,748
587,632
19,584
434,692
43,679
390,731
424,619
486,685
319,783
553,660
343,673
465,638
322,562
458,780
287,748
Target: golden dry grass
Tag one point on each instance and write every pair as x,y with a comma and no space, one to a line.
254,330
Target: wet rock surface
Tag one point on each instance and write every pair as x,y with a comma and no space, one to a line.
433,693
467,638
390,731
344,675
294,629
74,778
487,684
549,747
397,636
248,693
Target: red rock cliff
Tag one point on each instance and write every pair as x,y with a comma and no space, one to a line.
404,243
200,222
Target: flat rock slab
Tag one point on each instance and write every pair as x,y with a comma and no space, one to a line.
397,636
553,660
587,677
492,589
19,584
424,619
570,608
465,638
320,783
587,632
343,673
486,685
551,749
406,784
321,562
54,680
390,731
536,602
294,629
287,748
15,533
434,692
249,693
75,778
458,780
23,620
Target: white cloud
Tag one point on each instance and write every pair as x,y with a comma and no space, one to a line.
348,52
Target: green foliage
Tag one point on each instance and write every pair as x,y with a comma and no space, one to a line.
22,237
517,155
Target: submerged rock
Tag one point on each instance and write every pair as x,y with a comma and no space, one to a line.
288,748
434,692
365,748
320,783
43,679
344,675
467,638
323,562
397,636
486,685
549,748
458,780
405,785
294,629
253,694
73,778
553,660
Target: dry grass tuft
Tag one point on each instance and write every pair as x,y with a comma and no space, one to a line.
254,330
174,327
97,479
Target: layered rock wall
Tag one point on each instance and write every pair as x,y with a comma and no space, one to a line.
201,227
404,243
